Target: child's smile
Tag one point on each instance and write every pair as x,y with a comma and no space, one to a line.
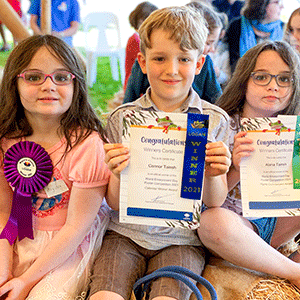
47,99
170,70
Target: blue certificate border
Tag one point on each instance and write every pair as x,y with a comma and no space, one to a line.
274,205
161,214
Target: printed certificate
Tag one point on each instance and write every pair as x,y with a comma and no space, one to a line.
269,181
152,186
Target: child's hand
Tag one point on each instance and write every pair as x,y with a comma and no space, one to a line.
4,277
16,289
217,160
116,158
242,148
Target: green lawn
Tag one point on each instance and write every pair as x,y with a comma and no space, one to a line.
105,86
102,91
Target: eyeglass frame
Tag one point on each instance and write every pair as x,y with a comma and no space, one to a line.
45,77
272,76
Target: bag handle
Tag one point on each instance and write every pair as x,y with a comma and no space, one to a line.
178,273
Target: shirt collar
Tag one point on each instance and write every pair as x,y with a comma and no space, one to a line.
193,101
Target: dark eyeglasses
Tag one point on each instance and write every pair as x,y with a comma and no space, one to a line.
38,78
263,79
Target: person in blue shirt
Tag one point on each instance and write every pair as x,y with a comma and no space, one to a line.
65,18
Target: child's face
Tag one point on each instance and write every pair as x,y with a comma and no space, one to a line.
47,100
295,32
268,100
170,70
212,40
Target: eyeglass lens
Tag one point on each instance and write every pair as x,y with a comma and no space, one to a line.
59,78
283,80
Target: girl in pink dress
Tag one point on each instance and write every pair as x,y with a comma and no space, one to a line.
44,100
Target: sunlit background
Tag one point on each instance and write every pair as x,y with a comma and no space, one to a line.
123,8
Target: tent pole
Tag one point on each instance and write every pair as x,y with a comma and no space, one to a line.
46,16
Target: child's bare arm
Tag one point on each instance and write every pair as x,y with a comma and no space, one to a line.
242,148
116,158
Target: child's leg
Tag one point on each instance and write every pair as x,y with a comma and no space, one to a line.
286,229
234,239
190,257
117,267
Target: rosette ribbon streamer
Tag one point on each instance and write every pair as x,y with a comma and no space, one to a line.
28,168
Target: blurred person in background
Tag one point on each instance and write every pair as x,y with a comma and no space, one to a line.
136,18
260,21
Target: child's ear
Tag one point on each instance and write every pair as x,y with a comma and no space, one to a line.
200,63
142,62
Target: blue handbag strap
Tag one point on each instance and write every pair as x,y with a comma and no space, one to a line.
178,273
139,289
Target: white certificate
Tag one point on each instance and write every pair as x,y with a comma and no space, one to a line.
267,175
151,184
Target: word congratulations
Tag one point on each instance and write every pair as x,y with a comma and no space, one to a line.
275,142
168,141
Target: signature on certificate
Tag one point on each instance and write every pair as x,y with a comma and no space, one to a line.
160,200
277,191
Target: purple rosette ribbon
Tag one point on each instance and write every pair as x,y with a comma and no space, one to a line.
28,168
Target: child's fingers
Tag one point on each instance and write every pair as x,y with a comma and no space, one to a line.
108,147
213,145
118,169
114,163
5,288
114,152
218,148
240,138
242,141
222,168
242,148
218,159
240,134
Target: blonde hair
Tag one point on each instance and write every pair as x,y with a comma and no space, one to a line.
185,25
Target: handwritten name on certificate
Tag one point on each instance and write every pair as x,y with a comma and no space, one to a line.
267,182
151,184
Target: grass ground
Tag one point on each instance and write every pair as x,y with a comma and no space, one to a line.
105,87
102,91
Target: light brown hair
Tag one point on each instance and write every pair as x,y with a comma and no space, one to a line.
185,25
140,13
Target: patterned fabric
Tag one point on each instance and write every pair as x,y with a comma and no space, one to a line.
153,237
69,279
248,39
